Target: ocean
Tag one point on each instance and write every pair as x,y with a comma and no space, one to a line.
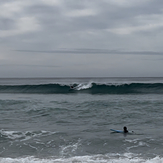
68,120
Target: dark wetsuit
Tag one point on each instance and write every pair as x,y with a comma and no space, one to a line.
125,130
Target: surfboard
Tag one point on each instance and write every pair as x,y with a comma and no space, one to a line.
121,131
118,131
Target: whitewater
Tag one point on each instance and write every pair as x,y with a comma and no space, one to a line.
68,120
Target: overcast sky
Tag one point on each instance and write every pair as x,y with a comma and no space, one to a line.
81,38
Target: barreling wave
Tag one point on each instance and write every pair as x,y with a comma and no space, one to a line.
90,88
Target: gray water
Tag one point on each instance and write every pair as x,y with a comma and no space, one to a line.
76,127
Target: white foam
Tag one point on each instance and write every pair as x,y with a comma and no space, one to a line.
69,149
83,86
23,136
136,143
132,140
125,158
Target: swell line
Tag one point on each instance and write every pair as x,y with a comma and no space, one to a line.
90,88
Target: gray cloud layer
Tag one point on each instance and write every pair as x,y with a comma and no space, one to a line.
81,38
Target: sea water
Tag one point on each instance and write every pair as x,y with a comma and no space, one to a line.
68,120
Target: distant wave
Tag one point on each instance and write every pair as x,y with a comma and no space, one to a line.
91,88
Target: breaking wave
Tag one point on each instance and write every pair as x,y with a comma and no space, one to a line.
91,88
125,158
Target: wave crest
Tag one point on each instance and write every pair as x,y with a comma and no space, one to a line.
91,88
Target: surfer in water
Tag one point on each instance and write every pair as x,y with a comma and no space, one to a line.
125,129
71,87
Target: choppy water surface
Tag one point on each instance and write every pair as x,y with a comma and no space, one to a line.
51,121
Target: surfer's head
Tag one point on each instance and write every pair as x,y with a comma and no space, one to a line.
125,129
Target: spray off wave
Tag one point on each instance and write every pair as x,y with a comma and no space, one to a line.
90,88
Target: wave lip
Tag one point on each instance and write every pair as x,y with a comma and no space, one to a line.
90,88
